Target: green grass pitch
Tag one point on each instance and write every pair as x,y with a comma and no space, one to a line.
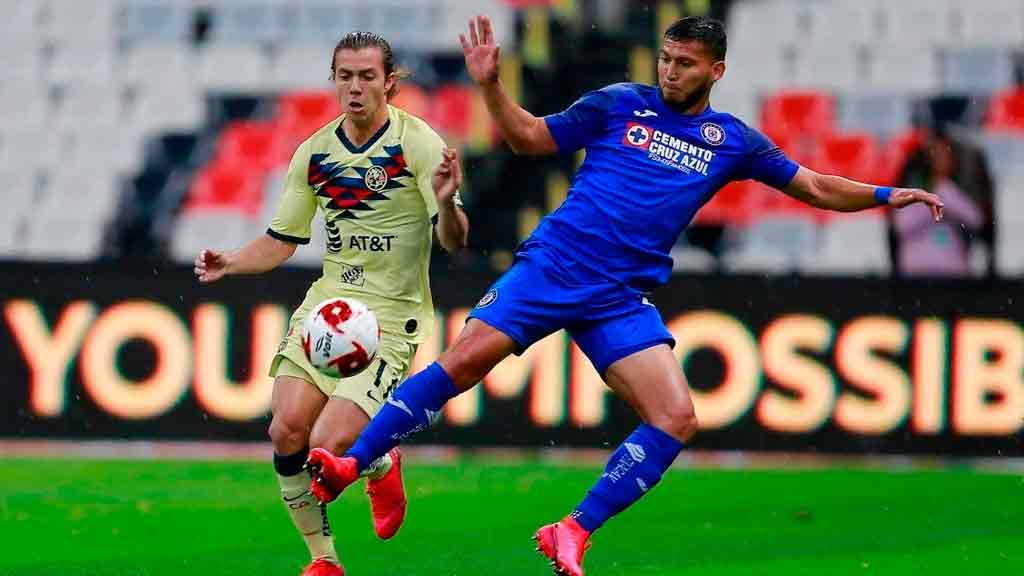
78,517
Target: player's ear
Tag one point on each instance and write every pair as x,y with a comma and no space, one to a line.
718,70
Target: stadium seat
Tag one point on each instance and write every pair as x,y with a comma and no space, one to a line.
976,69
853,155
23,103
692,259
217,228
774,244
851,245
162,65
804,113
451,110
299,115
413,100
233,68
992,22
1004,152
730,206
18,26
902,67
226,187
174,107
828,65
80,26
63,237
153,21
250,21
1006,111
302,67
919,22
847,25
882,114
72,63
894,157
249,143
92,103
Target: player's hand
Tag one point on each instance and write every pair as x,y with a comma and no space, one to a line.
902,197
210,266
482,54
448,177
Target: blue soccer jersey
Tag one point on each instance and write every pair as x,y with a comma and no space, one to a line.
648,169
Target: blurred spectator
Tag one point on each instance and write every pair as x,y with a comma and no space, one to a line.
958,173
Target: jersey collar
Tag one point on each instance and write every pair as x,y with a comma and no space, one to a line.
352,148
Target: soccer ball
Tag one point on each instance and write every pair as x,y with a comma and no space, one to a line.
340,337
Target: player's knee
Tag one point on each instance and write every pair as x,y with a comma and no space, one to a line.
286,435
336,441
677,419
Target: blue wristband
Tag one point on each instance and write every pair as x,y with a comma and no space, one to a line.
882,194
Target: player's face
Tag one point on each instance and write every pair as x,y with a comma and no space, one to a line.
361,83
686,72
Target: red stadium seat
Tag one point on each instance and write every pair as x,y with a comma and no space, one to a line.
1006,111
853,155
226,185
299,115
803,113
413,100
731,205
894,157
251,143
452,110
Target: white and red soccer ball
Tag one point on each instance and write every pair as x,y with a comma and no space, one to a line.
340,337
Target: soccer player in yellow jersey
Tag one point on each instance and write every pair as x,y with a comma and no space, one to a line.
385,181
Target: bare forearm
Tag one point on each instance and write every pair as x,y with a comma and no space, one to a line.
452,227
260,255
524,132
841,194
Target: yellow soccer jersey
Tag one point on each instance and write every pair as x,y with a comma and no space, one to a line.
379,208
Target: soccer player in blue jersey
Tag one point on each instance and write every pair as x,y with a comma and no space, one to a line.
655,155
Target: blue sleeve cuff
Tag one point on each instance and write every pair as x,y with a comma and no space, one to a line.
560,130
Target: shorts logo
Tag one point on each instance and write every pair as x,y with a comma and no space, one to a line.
637,135
376,178
712,133
488,298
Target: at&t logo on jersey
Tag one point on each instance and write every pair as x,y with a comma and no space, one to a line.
666,149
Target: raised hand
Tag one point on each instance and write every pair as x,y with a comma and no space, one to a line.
210,266
902,197
482,54
448,176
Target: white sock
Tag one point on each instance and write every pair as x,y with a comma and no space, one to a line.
378,468
309,517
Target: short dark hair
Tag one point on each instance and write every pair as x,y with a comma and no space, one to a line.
361,40
708,31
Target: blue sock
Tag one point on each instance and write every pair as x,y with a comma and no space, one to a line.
410,409
632,470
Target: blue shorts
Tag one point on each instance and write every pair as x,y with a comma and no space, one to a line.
542,293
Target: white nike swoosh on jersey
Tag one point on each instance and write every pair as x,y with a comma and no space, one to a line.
644,113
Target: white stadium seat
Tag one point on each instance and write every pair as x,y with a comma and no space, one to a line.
851,245
230,68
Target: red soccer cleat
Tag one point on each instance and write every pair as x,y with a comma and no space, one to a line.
323,567
564,544
387,499
331,474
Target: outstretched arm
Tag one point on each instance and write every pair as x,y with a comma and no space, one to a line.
843,195
524,132
260,255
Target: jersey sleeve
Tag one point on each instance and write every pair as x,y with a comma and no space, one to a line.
583,122
425,154
766,162
298,204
